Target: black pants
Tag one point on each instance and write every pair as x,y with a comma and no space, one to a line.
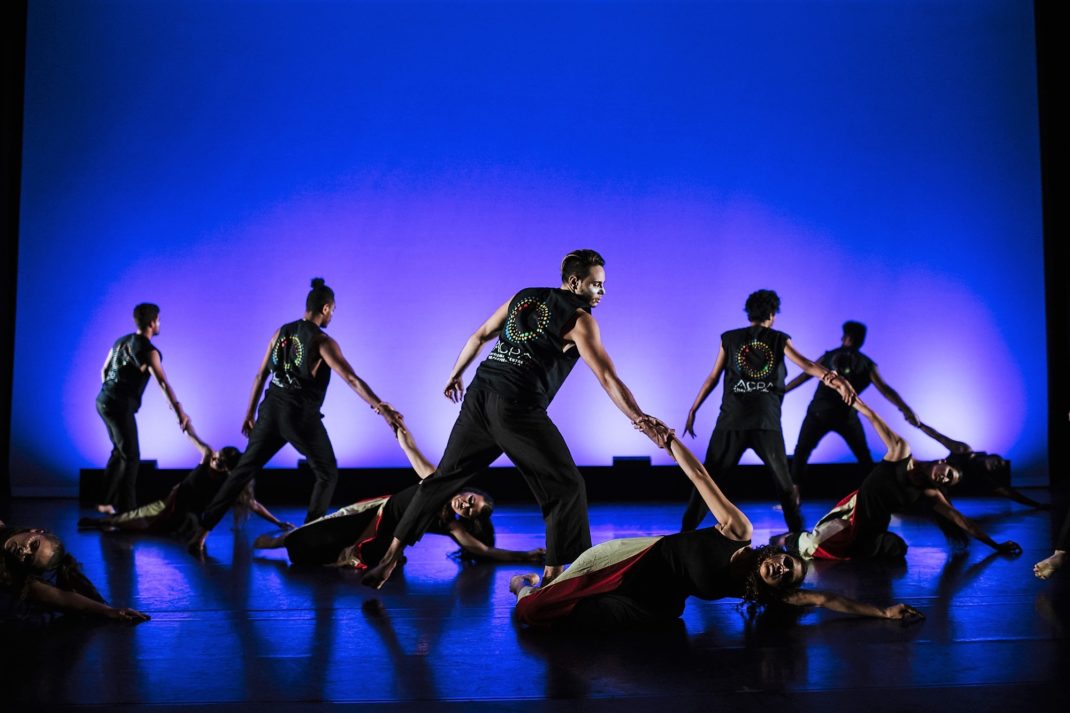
279,422
816,426
488,426
121,471
1062,541
725,450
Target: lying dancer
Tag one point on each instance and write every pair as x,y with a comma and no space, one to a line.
1048,566
177,513
646,580
359,534
30,559
858,526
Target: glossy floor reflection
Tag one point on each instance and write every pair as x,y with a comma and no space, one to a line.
246,629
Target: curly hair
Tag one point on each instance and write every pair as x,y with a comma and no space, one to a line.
758,596
761,305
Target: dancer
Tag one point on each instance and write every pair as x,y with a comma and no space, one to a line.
177,513
123,378
858,526
828,413
299,360
752,359
1048,566
543,333
646,580
30,559
359,534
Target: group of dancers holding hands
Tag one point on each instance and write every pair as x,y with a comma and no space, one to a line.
539,334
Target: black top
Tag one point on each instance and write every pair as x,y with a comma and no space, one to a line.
198,489
753,379
529,363
293,355
885,491
124,377
852,365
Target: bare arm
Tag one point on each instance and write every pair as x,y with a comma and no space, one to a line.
797,382
829,378
203,448
897,446
332,356
419,462
104,367
945,509
470,544
893,396
731,521
951,444
487,331
60,600
257,507
156,368
704,391
838,603
258,387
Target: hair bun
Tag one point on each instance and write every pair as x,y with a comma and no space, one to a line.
317,282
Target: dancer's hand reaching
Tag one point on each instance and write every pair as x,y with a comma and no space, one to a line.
523,580
689,425
654,429
1008,548
902,612
454,390
127,615
393,418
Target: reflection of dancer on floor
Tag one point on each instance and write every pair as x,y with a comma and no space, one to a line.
359,534
299,361
542,333
752,359
37,572
1050,565
979,466
828,413
646,580
177,513
858,526
131,360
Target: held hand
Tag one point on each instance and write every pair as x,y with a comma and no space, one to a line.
287,526
1008,548
537,555
911,417
844,389
454,390
127,615
902,612
654,429
392,417
523,580
183,419
689,425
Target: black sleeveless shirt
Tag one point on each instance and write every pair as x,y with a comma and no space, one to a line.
529,364
293,354
753,379
123,374
852,365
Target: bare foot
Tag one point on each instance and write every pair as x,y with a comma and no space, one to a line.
549,573
106,509
376,576
520,581
197,546
1047,567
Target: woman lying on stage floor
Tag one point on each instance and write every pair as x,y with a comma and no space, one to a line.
646,580
359,534
177,513
38,575
858,526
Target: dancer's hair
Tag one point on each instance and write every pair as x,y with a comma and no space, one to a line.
856,331
229,455
757,594
62,565
761,305
145,314
579,263
318,296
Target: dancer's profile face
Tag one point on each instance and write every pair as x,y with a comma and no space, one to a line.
217,463
328,314
944,474
781,570
33,549
467,504
591,288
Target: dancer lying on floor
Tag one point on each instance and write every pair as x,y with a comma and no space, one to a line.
858,526
38,574
646,580
178,512
359,534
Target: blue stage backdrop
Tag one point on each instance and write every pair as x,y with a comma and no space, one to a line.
869,160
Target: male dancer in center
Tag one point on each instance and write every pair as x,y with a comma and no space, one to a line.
299,360
542,333
752,359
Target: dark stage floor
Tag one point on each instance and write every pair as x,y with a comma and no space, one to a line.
243,630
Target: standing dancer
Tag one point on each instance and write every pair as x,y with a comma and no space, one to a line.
124,376
828,412
299,360
858,526
752,359
543,333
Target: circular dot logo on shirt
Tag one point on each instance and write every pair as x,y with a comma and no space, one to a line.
755,360
527,320
288,352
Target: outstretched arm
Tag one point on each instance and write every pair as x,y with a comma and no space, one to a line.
897,446
61,600
487,331
203,448
704,391
731,521
829,378
893,396
797,382
839,603
957,447
332,356
473,546
258,388
156,368
257,507
420,464
945,509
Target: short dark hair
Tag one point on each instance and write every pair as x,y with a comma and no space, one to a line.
318,296
579,263
856,331
761,305
145,314
229,457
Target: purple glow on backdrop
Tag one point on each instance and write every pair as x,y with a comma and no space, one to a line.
900,188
